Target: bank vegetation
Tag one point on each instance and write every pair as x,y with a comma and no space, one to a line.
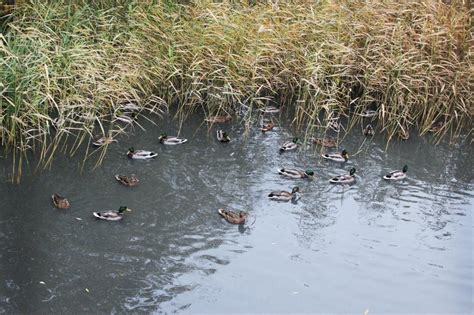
73,70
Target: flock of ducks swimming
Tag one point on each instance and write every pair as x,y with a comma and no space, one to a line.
239,217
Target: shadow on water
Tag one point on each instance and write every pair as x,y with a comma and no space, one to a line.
388,247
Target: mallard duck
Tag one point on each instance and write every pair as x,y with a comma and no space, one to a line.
111,215
267,126
270,110
60,202
368,131
130,107
436,127
336,157
326,142
294,173
104,141
369,113
284,195
403,134
222,136
344,179
290,145
140,154
334,124
171,140
233,216
127,180
397,175
218,119
128,118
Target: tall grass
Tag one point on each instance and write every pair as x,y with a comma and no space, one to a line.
78,65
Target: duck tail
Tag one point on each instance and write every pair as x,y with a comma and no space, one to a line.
96,214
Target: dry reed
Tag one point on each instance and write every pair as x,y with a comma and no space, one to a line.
73,70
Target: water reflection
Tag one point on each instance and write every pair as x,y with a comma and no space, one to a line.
174,253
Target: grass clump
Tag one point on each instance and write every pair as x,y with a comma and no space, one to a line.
76,68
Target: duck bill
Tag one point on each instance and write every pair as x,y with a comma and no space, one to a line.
129,210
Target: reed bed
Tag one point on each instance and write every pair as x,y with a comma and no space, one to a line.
78,69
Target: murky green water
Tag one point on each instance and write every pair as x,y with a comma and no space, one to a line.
401,247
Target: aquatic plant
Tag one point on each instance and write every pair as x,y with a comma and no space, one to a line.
73,69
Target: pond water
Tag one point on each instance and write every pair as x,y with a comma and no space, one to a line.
403,247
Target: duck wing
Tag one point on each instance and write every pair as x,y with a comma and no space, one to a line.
280,193
108,215
175,140
290,172
233,217
340,178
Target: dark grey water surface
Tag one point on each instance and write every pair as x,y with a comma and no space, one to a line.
401,247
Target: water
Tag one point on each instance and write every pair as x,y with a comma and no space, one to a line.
401,247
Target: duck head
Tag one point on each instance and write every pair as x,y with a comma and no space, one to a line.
405,169
162,137
344,154
123,209
352,171
295,190
309,173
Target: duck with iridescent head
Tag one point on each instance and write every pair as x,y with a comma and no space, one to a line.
336,157
140,154
289,145
397,175
111,215
344,179
296,173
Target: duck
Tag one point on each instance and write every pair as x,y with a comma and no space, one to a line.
285,195
436,127
111,215
218,119
368,131
270,110
397,175
267,126
344,179
334,124
140,154
336,157
128,117
295,173
368,113
103,141
403,134
326,142
222,136
171,140
289,146
233,217
60,202
127,180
